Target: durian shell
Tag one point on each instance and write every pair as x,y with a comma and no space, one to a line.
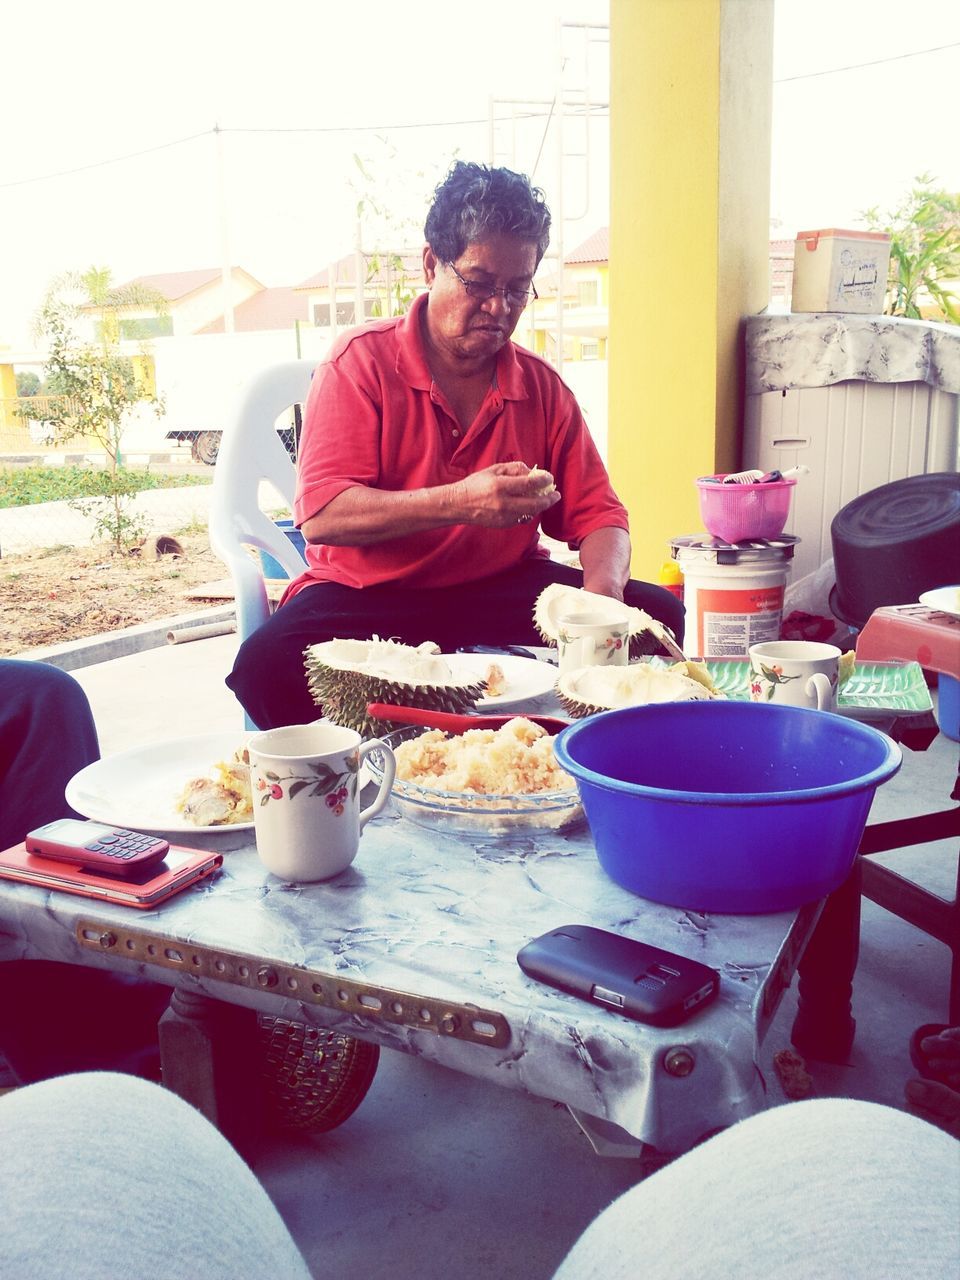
557,599
646,678
343,693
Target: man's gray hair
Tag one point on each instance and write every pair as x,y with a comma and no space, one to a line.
475,200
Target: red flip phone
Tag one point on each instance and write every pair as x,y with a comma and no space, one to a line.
112,851
145,888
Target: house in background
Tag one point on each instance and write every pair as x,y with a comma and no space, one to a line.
781,273
270,309
196,359
341,295
194,299
570,315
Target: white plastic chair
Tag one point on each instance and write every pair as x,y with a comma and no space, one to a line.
251,451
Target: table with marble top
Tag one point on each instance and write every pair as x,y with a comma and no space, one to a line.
414,948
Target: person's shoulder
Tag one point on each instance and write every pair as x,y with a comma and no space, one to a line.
540,372
367,340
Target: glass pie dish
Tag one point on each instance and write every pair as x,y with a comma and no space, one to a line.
467,813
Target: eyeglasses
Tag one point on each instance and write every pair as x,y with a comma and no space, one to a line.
484,292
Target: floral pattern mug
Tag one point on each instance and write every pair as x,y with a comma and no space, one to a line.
795,673
306,809
592,640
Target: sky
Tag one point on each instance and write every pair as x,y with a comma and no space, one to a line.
111,156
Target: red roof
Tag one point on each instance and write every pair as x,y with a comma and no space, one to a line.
175,285
277,308
344,272
595,248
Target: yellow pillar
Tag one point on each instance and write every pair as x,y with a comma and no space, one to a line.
8,395
690,102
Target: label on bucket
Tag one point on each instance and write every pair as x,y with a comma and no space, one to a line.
729,622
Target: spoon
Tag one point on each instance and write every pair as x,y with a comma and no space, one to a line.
671,646
453,723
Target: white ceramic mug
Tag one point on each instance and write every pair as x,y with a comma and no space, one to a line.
306,810
592,640
795,673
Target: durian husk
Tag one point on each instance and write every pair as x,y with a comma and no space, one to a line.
344,675
557,599
587,690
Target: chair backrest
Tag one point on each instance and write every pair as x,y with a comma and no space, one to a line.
251,452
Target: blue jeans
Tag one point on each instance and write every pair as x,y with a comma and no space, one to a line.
47,735
56,1018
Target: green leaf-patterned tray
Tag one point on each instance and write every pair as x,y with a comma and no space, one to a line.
880,688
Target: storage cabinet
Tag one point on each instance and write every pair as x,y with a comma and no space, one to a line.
853,433
853,436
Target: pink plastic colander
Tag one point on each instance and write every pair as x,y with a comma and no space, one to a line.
741,512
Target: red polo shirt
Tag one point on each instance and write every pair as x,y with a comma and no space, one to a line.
375,417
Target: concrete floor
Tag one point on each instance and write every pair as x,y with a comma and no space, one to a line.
439,1175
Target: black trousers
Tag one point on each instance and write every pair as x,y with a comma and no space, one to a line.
269,678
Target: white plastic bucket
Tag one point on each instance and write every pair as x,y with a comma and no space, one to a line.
731,606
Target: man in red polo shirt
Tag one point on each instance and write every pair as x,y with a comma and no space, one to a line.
433,452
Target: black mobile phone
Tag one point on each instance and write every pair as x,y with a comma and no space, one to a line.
112,851
633,978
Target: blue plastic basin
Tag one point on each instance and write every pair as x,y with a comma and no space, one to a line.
948,706
726,806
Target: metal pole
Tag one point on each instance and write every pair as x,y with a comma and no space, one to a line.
558,210
358,283
226,270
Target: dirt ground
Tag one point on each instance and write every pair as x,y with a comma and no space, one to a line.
52,596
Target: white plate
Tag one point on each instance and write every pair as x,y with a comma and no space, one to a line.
140,788
527,679
946,599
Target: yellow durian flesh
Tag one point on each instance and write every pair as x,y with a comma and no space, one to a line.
590,689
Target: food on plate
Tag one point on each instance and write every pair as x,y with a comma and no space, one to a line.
344,675
846,665
516,759
555,601
495,682
223,800
590,689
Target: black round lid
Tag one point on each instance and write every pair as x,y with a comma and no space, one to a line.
904,510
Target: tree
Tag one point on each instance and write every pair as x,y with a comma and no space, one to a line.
28,384
382,230
924,251
93,385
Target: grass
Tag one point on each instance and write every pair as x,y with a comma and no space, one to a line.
23,486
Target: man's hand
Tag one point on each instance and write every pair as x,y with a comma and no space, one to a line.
505,494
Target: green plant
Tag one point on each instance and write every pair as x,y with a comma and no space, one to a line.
93,384
924,251
110,508
24,486
378,224
389,269
195,525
